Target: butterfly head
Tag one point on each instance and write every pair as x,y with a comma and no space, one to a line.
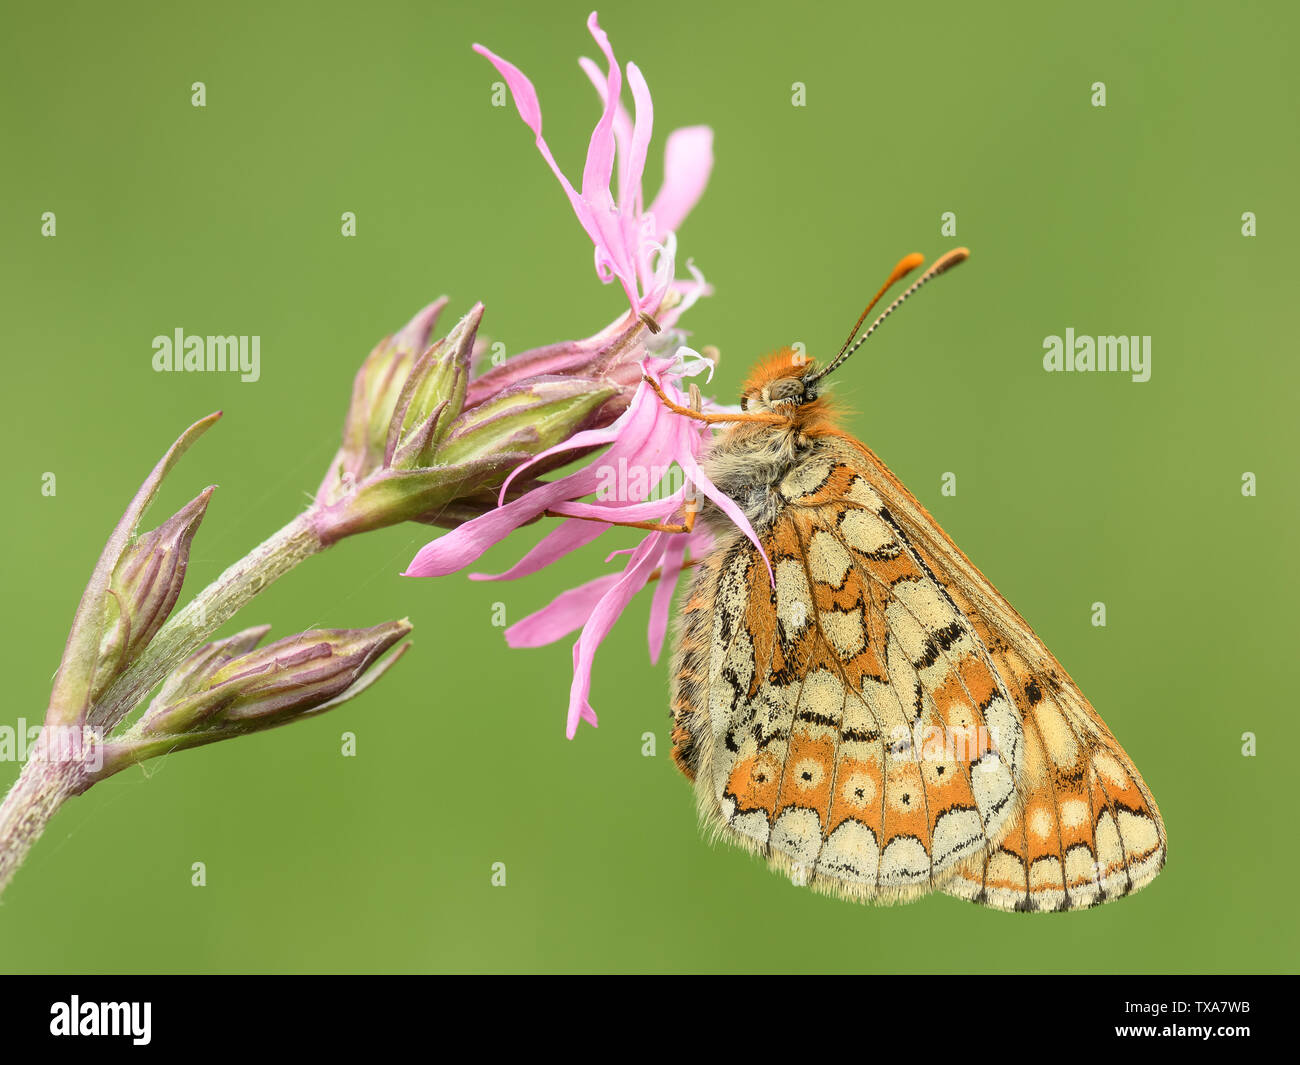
780,384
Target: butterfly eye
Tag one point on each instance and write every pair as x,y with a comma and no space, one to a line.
786,390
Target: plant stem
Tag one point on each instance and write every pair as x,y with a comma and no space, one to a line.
44,785
39,791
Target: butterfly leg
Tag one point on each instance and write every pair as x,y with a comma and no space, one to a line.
686,525
687,564
761,417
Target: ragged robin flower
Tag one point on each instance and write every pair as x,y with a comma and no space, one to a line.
428,440
632,479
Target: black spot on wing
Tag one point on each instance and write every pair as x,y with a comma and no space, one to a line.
938,642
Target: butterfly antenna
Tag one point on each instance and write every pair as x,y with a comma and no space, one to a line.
905,266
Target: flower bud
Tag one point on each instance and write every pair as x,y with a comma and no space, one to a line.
144,588
194,672
526,419
433,397
378,387
442,450
288,679
80,673
227,688
614,354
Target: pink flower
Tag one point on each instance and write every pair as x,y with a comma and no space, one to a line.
631,480
632,244
646,442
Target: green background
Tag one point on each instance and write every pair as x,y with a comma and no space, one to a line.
1071,488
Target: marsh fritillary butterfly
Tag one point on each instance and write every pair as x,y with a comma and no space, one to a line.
872,716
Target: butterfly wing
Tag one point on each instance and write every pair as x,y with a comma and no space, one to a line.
848,723
883,722
1087,829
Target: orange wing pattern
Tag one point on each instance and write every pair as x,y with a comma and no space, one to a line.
848,722
881,723
1088,829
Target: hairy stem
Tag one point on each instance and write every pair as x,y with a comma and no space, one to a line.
39,791
45,784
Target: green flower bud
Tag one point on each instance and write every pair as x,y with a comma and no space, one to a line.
376,391
290,678
80,671
194,672
525,419
230,688
441,449
433,397
143,590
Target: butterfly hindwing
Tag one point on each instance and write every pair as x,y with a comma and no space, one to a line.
848,722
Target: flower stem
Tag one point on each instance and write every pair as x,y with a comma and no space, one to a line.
44,785
39,791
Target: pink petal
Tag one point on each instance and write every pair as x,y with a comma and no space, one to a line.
590,214
530,110
602,619
658,263
723,501
651,510
615,257
585,439
579,701
564,539
688,161
622,126
645,118
463,545
566,612
642,433
599,168
628,432
674,555
617,249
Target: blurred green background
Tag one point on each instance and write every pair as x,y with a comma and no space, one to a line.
1071,488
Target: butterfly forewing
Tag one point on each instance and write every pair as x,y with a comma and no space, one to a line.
1088,829
879,722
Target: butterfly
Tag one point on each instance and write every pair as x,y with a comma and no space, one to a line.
869,713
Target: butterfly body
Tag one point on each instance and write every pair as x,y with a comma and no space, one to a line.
870,714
